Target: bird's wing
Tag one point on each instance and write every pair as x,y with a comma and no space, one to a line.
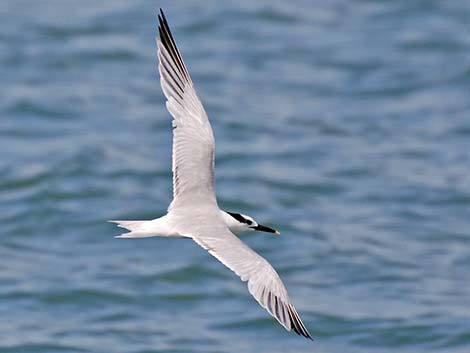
193,140
264,283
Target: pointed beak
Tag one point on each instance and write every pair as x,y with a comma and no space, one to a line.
262,228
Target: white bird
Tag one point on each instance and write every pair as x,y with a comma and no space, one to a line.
194,212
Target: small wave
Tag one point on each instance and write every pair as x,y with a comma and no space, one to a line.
41,348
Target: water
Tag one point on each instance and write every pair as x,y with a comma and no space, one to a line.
344,124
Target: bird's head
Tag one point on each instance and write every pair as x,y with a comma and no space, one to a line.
240,223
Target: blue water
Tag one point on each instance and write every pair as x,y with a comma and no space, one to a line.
344,124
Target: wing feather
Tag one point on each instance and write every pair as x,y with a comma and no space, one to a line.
264,284
193,139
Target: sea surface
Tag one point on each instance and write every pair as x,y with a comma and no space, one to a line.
344,124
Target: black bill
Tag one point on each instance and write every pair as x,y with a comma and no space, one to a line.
262,228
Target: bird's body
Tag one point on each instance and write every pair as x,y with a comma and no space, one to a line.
194,212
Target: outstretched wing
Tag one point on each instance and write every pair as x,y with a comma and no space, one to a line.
264,283
193,140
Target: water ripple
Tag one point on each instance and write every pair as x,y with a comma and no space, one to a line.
344,125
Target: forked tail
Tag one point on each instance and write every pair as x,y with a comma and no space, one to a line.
136,228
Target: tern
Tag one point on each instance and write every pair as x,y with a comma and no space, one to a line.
194,212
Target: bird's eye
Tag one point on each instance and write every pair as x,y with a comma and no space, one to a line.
249,222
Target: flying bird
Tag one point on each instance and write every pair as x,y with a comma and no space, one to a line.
194,212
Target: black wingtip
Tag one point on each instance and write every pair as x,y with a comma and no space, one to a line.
162,18
297,324
167,40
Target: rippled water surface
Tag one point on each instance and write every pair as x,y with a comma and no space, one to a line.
344,124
